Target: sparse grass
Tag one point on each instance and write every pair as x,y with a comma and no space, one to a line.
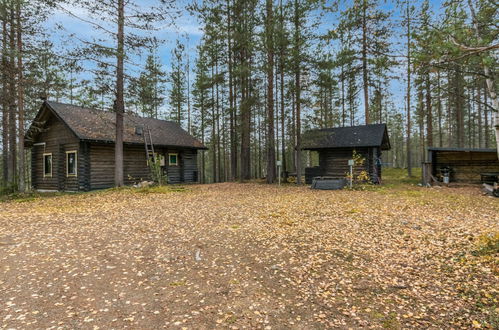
397,176
487,244
28,196
166,189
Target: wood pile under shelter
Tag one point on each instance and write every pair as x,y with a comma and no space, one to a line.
336,146
463,165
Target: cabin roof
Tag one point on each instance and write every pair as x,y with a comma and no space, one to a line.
99,126
373,135
461,149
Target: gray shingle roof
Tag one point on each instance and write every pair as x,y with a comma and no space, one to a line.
96,125
374,135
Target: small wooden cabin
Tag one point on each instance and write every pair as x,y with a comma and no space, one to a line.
465,165
72,148
336,146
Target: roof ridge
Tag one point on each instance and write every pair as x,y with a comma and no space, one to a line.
127,113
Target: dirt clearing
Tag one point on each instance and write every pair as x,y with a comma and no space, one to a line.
251,256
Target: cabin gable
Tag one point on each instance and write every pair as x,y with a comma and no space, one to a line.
52,137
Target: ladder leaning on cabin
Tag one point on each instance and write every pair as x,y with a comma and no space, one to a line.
149,146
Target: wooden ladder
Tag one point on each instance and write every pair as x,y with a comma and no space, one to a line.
149,146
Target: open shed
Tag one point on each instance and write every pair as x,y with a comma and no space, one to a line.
336,146
465,165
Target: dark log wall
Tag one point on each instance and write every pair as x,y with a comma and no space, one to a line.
84,166
465,166
334,163
190,166
58,139
186,171
102,165
135,165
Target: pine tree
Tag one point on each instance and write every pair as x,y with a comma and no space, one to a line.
178,83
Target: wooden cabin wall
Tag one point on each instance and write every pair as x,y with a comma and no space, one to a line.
465,166
84,166
58,139
190,166
334,162
101,166
135,167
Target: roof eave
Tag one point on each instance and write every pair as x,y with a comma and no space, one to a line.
141,143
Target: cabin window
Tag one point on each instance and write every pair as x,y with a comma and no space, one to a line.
47,165
71,161
139,130
173,159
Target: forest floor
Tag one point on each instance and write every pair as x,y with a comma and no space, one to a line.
251,256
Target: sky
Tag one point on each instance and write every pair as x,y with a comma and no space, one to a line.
188,29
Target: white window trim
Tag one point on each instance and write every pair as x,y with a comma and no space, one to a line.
76,163
169,162
51,164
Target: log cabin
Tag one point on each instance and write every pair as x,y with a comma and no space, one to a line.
335,146
72,149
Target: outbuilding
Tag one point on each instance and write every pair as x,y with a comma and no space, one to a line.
336,146
461,165
72,148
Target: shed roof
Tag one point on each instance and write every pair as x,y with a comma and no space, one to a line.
461,149
373,135
97,125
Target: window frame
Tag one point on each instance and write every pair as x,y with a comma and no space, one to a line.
45,174
169,159
75,152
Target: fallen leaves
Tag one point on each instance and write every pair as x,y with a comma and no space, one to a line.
253,256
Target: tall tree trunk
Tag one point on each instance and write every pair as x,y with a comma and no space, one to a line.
486,111
203,156
459,101
408,94
188,92
343,113
269,36
12,101
365,79
232,115
5,105
429,113
245,125
213,127
298,93
120,102
480,113
421,124
283,117
20,99
219,159
439,100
